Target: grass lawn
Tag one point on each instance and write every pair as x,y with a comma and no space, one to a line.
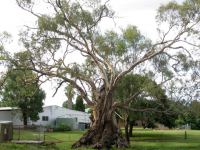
165,140
142,140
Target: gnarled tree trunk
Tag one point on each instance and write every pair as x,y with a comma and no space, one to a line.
104,131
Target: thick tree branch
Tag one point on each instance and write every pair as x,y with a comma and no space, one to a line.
148,110
126,101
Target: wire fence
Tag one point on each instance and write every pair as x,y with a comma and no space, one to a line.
29,133
33,135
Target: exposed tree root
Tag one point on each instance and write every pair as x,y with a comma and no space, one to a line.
100,138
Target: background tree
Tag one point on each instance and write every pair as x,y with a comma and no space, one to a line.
151,99
3,57
21,90
69,92
65,104
74,28
79,104
189,115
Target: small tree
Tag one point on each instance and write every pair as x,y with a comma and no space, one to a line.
79,104
21,89
150,100
69,92
189,114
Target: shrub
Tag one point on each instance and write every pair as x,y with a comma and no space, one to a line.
62,127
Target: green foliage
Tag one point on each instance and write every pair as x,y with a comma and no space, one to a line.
131,34
69,92
193,115
47,23
113,45
62,127
180,13
21,89
195,107
65,104
179,121
152,97
132,84
80,106
4,37
189,113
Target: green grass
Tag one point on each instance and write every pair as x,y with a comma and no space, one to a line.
142,140
165,140
63,140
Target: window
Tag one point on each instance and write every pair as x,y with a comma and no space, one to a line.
45,118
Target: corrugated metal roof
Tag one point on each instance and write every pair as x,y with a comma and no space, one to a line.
8,108
75,111
5,122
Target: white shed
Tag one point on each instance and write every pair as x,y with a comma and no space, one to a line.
51,113
47,117
11,114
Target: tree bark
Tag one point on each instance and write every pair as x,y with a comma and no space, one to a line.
127,129
25,119
131,123
69,103
104,131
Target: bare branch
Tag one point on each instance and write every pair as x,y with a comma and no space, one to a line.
60,84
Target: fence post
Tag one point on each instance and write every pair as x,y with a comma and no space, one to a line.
39,132
44,134
19,133
185,134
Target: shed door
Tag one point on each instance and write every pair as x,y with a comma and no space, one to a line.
6,132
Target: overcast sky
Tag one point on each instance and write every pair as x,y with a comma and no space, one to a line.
136,12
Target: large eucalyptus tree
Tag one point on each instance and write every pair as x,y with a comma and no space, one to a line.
72,28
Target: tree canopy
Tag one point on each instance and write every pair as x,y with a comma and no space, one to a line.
21,90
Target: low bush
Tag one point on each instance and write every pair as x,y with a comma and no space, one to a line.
62,127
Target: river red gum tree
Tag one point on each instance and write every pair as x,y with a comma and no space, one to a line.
73,27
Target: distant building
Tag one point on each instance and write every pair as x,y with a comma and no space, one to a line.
48,117
11,114
51,113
